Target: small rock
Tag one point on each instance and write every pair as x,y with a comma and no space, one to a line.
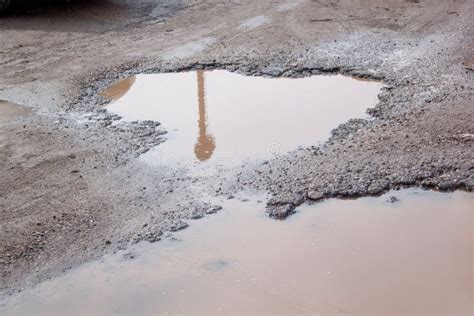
282,212
392,199
179,226
315,195
152,237
214,209
129,255
196,215
273,71
285,199
377,187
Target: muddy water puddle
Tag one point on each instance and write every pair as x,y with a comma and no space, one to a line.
218,117
10,111
357,257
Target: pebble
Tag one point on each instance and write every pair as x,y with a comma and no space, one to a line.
392,199
315,195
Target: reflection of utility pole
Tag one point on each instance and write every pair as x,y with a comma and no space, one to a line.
205,145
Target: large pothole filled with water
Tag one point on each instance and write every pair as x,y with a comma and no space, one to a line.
218,117
368,256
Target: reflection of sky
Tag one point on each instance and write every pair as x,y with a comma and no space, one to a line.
414,256
245,114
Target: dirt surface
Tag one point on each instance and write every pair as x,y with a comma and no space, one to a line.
71,187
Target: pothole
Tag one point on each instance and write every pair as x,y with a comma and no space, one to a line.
409,255
10,111
218,117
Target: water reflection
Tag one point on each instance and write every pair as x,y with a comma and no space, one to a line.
119,89
205,144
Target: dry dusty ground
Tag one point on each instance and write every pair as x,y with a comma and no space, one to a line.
70,193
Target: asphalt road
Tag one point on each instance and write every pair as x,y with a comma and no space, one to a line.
70,193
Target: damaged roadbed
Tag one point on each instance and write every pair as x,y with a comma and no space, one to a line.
72,187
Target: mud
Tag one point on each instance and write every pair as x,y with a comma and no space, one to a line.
11,111
414,256
71,186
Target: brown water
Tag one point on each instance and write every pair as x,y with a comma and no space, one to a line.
220,117
119,89
10,111
357,257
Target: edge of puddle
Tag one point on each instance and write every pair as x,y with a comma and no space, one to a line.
10,111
